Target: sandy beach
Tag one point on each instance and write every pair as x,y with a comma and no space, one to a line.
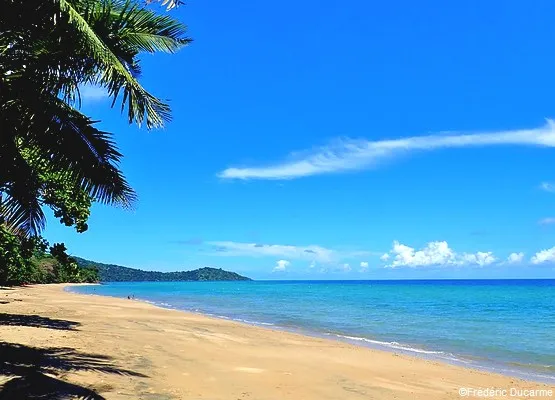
52,341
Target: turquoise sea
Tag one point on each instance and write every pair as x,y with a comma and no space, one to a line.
503,325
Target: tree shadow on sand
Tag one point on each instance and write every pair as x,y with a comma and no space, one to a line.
37,321
37,373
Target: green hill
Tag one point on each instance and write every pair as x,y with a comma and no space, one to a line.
117,273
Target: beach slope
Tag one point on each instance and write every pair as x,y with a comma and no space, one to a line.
52,341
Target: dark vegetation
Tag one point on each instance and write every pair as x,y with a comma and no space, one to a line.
117,273
51,154
33,260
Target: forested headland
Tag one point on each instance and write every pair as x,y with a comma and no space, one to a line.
117,273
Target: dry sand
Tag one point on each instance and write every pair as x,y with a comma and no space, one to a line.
53,342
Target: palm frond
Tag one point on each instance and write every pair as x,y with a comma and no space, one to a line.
72,144
22,213
151,32
20,207
45,56
56,138
141,105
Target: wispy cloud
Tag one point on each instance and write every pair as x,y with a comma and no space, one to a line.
548,187
434,254
344,268
311,253
547,221
350,154
93,93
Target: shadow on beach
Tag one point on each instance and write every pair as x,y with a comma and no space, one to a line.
38,373
37,321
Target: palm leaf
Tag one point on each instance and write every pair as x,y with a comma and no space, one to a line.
45,55
114,75
70,143
147,31
20,207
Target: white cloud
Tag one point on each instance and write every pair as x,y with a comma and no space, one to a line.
363,266
281,265
515,258
350,154
548,187
346,267
310,253
93,93
544,256
434,254
384,257
547,221
480,258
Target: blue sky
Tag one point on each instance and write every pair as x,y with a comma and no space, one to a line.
312,138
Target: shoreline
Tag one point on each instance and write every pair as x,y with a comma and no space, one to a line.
175,354
454,359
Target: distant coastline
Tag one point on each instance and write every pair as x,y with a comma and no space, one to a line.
118,273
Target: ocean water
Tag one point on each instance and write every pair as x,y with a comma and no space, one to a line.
503,325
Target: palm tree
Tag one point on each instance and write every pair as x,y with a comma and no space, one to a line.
50,153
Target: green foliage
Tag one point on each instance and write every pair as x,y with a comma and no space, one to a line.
66,269
25,260
51,154
117,273
12,261
70,203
